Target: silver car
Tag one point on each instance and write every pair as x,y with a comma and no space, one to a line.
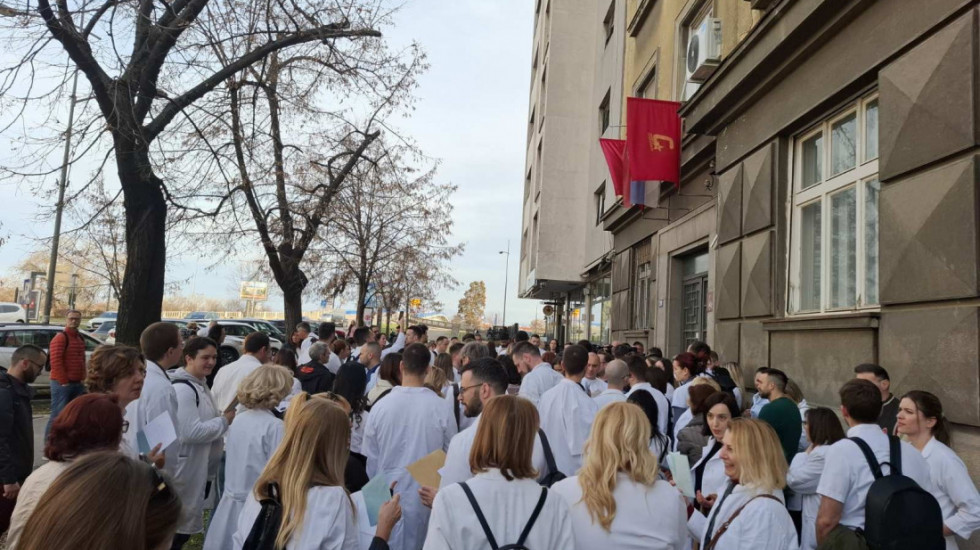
13,336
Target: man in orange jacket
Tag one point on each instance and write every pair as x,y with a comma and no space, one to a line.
67,352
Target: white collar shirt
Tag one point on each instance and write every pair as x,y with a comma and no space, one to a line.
609,396
541,379
954,489
566,413
847,475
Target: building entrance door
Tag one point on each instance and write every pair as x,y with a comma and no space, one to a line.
695,298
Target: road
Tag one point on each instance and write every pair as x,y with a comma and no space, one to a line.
40,422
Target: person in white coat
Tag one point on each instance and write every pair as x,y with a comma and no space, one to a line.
503,491
591,382
255,353
822,430
921,420
409,423
308,467
162,346
616,373
639,380
616,500
750,514
708,473
567,412
538,376
200,425
252,439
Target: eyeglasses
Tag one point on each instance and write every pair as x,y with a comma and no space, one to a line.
74,318
36,364
465,389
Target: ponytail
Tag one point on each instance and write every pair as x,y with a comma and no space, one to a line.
931,407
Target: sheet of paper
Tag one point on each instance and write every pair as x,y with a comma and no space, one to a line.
680,469
425,471
160,430
376,492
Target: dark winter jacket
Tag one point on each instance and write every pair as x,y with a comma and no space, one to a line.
16,431
314,377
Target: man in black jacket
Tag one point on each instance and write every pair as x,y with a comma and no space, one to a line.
314,376
17,425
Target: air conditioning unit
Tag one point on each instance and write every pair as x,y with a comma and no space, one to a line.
703,50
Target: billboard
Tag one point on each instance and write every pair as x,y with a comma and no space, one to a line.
255,291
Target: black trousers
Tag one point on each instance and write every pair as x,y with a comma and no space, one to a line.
179,541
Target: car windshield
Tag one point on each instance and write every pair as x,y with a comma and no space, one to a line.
109,315
105,327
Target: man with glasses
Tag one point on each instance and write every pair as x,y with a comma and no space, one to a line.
67,351
17,425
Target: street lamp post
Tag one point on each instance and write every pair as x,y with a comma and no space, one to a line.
506,274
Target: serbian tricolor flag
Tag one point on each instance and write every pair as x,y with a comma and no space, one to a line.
653,142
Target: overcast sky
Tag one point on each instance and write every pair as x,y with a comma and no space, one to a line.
471,115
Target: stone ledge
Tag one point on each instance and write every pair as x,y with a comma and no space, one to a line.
863,320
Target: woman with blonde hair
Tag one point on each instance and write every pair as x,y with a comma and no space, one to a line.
616,500
252,439
442,379
108,501
750,514
503,503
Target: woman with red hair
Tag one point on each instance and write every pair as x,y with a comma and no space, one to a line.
91,422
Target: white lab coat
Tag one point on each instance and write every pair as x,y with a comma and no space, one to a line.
225,387
714,479
609,396
303,357
406,425
457,466
328,523
567,413
954,489
199,430
508,506
252,439
663,406
803,478
763,524
647,517
333,364
393,348
451,400
157,397
594,386
541,379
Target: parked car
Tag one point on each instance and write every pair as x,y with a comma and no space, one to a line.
235,333
106,332
15,335
12,313
201,316
265,326
95,322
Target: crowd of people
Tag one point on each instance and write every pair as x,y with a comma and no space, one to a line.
547,446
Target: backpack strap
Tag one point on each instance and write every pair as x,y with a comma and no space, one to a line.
895,458
456,403
549,458
479,515
868,455
724,526
197,398
534,517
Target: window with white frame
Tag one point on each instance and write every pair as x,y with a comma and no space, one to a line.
834,258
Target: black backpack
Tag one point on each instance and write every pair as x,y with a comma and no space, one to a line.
265,529
554,476
724,379
519,545
898,514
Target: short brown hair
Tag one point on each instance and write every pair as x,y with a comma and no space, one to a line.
109,364
862,399
505,438
159,338
823,427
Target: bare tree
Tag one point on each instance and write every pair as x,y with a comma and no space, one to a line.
146,65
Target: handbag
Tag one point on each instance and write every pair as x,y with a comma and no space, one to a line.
264,531
724,526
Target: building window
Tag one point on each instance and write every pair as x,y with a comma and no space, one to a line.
834,259
600,203
641,307
538,168
648,86
604,114
524,245
695,298
541,94
608,24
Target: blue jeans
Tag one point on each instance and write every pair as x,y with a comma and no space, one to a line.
61,395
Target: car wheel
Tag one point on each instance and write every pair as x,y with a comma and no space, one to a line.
228,355
20,321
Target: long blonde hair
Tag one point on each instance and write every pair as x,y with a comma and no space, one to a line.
619,442
758,453
313,452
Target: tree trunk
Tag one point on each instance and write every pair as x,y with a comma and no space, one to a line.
141,299
361,296
292,301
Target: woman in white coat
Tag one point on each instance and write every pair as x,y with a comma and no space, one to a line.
921,419
308,467
504,491
616,500
823,429
251,440
750,514
199,429
708,473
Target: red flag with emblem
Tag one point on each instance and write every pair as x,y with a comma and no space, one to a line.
653,140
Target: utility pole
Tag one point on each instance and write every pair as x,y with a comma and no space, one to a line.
62,185
506,274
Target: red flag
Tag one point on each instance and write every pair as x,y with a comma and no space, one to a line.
614,150
653,140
